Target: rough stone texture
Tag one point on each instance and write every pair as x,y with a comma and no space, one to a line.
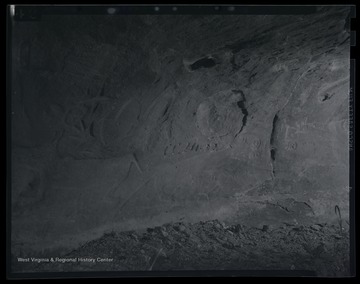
316,250
131,122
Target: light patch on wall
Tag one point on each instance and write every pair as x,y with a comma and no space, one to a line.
111,11
12,10
279,67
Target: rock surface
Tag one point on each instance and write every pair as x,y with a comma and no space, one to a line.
317,250
124,123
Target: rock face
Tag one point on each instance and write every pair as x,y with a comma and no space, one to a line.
126,122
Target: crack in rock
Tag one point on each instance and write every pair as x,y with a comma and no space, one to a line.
241,105
274,204
272,147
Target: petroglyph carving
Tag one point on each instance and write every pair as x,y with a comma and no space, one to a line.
291,146
255,144
254,155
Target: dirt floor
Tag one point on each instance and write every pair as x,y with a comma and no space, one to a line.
320,249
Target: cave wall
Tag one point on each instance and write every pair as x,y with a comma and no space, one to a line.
125,122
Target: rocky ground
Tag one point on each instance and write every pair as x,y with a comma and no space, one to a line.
319,249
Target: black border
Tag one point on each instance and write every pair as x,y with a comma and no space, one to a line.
8,140
33,13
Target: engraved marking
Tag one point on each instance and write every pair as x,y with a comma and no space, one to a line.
291,146
256,144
